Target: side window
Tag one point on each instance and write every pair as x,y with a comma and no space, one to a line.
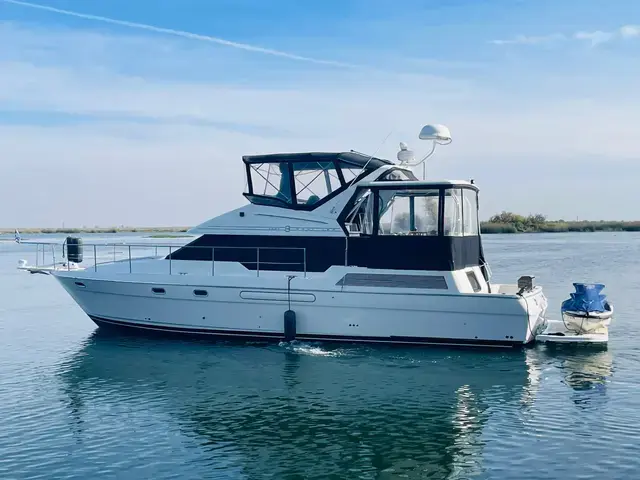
314,181
453,212
360,217
406,212
349,173
271,180
470,212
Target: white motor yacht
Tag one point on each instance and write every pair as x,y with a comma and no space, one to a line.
330,247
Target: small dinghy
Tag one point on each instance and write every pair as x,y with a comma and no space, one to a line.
586,317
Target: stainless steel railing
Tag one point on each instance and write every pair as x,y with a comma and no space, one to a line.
109,253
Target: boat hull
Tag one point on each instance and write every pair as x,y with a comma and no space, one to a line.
256,311
139,328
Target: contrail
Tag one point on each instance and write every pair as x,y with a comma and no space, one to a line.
180,33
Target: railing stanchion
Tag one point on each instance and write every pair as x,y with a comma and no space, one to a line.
305,262
37,254
129,258
114,254
213,261
258,261
43,258
95,258
170,252
53,254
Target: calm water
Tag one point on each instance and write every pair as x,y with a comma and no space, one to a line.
78,404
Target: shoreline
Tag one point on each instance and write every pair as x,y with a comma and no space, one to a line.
560,227
486,228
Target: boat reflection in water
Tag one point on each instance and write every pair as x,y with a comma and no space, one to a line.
585,370
294,409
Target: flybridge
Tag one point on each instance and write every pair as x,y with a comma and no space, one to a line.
304,181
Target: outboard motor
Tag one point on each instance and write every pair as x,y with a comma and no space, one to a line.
74,249
587,310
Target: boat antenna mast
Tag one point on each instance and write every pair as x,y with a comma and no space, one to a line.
438,134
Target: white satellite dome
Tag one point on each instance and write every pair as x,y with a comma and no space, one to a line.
437,133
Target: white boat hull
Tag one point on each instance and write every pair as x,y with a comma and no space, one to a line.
253,307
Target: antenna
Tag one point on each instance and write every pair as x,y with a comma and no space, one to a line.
370,158
438,134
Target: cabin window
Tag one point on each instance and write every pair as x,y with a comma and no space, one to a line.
271,182
349,173
453,212
314,181
360,217
470,212
408,212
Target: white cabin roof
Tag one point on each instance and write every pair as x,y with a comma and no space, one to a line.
417,183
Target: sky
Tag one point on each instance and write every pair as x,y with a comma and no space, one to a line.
115,112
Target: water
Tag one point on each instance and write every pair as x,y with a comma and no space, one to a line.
75,403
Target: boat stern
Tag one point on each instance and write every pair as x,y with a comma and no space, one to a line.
535,304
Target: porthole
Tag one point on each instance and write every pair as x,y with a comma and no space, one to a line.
158,291
80,284
201,293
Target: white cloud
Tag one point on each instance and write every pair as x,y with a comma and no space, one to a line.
594,38
630,31
530,40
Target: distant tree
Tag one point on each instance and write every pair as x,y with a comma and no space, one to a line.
537,219
507,217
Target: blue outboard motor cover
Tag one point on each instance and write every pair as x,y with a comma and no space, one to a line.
586,298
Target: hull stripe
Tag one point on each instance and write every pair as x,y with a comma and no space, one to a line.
100,321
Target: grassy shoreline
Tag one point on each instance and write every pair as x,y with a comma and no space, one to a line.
563,227
507,222
489,227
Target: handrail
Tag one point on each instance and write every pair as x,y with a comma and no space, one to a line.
129,257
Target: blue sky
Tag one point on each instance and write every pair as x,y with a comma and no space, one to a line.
150,119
